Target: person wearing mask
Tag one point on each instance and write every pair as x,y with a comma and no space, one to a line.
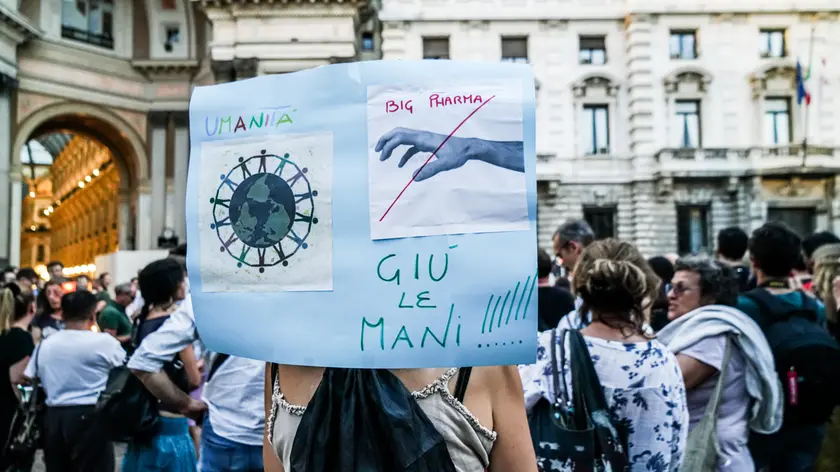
553,302
56,271
703,326
172,449
113,320
641,379
17,308
774,251
73,366
49,317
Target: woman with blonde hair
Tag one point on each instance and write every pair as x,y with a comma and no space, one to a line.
640,378
16,312
826,276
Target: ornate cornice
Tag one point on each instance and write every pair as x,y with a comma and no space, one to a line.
18,24
7,82
168,68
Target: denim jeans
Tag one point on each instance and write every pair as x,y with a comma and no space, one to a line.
219,454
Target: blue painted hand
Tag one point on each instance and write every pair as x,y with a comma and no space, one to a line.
450,152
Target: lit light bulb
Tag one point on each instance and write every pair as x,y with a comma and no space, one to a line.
32,194
81,184
50,208
46,213
87,178
95,172
32,227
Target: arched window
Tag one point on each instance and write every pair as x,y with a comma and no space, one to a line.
596,110
774,92
685,94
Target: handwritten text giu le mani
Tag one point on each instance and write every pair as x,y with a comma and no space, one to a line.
431,270
436,100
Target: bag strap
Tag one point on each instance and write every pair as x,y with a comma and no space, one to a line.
589,395
217,362
714,402
461,383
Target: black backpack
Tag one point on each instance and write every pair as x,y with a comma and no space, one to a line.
128,410
807,357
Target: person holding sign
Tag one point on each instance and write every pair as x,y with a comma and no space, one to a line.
477,421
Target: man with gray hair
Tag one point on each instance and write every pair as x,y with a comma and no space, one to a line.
113,319
570,239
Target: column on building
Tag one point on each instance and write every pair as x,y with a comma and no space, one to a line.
640,97
8,178
181,157
159,127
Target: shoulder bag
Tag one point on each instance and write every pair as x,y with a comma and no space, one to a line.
702,450
26,433
578,433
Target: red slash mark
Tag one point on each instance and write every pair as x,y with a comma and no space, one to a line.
433,155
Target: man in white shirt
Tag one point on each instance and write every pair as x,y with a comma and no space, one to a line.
232,436
73,367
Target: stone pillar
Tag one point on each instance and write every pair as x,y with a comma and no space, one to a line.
757,206
640,99
157,148
6,225
144,238
182,158
393,40
835,206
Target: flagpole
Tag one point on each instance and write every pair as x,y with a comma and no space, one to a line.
807,104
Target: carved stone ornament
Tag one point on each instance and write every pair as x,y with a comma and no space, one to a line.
580,87
793,189
759,80
672,81
553,25
481,25
664,187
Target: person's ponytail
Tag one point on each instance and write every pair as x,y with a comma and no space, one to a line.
7,309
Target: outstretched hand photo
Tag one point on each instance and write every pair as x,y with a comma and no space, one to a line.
449,152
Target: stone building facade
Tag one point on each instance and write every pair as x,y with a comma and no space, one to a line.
94,98
659,122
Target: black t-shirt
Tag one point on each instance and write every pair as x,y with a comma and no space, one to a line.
554,303
15,345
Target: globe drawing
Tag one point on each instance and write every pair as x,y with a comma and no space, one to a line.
262,209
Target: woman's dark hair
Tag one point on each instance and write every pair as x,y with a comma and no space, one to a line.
616,284
44,307
14,306
717,282
158,283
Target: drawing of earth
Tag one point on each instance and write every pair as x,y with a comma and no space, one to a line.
262,210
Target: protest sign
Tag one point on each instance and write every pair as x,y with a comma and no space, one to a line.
375,215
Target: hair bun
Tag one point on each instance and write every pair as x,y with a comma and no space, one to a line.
13,287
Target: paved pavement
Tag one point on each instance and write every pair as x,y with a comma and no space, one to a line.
119,450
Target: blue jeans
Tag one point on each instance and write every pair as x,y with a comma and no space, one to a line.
171,450
219,454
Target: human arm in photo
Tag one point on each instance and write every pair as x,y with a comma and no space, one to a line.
450,152
174,336
513,450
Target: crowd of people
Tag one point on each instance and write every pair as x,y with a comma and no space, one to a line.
725,361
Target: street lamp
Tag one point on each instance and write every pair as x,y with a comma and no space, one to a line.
167,239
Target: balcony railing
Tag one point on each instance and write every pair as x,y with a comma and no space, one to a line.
704,161
101,40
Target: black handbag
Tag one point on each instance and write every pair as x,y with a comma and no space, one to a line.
577,433
26,433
